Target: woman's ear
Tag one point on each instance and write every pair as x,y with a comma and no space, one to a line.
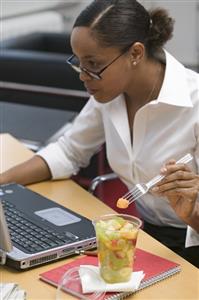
137,52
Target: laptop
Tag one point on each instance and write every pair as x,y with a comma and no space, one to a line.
41,230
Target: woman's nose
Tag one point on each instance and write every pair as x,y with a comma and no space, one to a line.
83,76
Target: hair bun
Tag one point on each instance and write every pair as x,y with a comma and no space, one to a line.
161,29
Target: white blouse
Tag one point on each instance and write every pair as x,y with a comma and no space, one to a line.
165,128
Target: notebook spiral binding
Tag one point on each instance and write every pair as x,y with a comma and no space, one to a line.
151,281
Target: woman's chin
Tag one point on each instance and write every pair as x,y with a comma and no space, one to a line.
102,98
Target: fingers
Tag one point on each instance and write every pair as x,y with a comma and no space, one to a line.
163,170
172,167
177,177
172,190
175,172
180,186
177,184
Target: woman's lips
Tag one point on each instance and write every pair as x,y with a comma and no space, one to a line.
90,90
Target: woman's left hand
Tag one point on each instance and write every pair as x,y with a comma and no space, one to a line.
180,186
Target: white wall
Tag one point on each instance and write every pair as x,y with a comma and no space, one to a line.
185,42
72,12
12,8
19,17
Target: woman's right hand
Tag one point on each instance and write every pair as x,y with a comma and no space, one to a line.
181,187
31,171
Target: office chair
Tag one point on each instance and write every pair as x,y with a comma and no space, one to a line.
39,59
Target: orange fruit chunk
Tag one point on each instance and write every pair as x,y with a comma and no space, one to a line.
122,203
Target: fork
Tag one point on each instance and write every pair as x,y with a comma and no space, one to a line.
142,188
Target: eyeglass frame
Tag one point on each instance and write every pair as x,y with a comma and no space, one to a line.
94,75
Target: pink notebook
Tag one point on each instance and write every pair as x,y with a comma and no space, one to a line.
155,268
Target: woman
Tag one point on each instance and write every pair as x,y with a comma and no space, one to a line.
144,104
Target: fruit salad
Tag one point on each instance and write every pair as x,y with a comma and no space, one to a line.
116,238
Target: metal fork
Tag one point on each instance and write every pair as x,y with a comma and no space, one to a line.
142,188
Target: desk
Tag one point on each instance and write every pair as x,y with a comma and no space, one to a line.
181,286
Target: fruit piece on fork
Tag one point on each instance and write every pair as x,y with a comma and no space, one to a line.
122,203
141,189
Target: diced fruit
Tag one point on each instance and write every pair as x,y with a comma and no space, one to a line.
130,235
121,221
116,245
121,243
126,272
122,203
120,254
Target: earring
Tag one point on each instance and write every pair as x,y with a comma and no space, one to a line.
134,63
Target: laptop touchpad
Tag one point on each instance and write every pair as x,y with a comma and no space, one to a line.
57,216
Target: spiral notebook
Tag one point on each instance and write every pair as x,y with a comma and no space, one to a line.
155,268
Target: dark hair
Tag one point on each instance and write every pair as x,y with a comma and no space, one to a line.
120,23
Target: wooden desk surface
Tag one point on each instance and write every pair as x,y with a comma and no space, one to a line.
181,286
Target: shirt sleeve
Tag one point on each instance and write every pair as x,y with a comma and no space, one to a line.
197,133
75,148
192,236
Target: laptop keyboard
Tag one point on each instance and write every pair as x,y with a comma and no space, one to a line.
30,237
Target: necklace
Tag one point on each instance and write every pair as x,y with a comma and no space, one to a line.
154,84
132,109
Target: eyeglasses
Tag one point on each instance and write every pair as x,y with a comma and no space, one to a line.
74,62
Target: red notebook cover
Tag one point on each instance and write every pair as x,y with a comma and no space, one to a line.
155,268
